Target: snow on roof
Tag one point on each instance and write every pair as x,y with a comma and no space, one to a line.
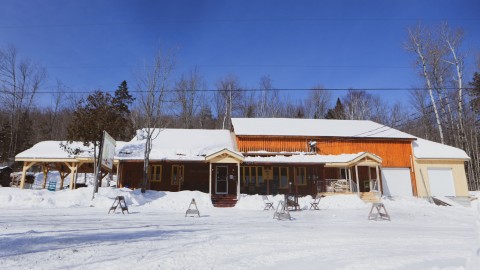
53,150
179,144
305,158
315,128
425,149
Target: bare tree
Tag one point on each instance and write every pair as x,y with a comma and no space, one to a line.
358,105
153,85
228,97
317,102
419,43
268,99
20,80
452,41
187,96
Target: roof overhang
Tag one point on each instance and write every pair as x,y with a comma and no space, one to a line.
364,159
224,156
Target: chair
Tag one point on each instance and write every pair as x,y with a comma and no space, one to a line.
315,203
268,203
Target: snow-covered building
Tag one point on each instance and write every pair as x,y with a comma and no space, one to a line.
440,169
191,159
278,155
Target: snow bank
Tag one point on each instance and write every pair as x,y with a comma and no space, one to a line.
177,201
169,201
474,261
406,202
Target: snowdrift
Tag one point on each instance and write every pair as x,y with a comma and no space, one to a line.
172,201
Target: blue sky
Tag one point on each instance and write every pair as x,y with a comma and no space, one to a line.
339,44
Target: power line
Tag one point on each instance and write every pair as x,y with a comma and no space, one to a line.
260,90
216,21
238,66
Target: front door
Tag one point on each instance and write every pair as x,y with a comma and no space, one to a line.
221,180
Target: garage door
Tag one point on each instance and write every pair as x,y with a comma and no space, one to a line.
396,182
441,182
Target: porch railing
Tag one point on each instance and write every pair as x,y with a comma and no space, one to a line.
336,185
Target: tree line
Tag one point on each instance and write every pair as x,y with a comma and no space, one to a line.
444,109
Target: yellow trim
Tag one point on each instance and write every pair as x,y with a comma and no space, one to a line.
258,173
180,170
296,170
155,170
280,176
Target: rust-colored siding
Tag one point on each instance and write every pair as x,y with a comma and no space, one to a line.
195,176
395,153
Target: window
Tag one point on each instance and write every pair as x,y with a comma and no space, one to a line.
177,174
252,175
156,173
343,173
280,175
300,176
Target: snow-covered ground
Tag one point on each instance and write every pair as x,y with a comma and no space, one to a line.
41,229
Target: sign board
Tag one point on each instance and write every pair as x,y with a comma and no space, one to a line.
108,151
268,174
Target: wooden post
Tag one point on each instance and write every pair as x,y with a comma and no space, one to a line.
118,174
369,178
378,182
73,171
45,170
268,186
210,180
238,181
26,166
348,174
358,181
62,178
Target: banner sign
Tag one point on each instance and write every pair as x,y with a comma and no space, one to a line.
108,151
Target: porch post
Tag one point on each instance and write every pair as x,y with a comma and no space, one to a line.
358,181
210,180
238,181
349,178
378,182
349,175
370,178
118,174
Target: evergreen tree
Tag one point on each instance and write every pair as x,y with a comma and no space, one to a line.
475,92
120,104
101,112
338,112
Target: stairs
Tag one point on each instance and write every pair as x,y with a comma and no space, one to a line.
369,197
227,200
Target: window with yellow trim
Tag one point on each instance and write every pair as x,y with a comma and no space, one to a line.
280,175
300,176
177,174
155,173
252,175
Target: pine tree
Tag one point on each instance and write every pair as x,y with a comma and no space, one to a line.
338,112
475,92
101,112
123,125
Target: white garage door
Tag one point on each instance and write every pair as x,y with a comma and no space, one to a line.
441,182
396,182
